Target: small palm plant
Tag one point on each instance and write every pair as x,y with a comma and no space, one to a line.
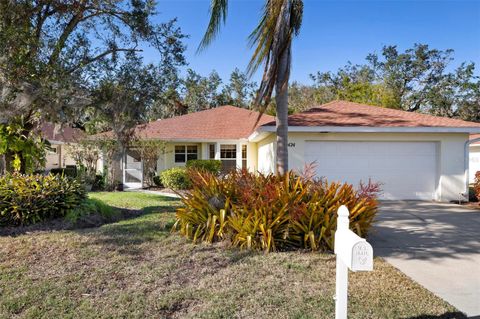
272,43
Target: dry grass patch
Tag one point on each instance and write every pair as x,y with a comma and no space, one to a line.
138,269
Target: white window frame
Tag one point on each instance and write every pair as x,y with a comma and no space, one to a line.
186,153
229,159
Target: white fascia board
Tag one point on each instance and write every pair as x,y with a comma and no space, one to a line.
54,142
367,129
257,136
194,140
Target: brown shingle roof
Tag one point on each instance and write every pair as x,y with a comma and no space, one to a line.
65,134
474,136
343,113
224,123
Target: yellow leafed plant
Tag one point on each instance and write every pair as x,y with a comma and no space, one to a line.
270,212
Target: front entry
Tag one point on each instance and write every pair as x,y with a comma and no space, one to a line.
133,170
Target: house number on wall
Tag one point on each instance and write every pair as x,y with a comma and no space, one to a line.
291,144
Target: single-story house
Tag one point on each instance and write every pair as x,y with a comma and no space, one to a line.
61,140
415,156
474,159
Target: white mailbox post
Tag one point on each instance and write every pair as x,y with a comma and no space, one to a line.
354,253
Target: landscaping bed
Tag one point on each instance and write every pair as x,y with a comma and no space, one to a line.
138,268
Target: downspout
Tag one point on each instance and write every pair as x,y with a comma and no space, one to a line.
467,163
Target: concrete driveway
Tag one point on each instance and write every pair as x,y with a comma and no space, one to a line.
437,245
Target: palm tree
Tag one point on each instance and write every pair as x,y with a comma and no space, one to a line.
272,40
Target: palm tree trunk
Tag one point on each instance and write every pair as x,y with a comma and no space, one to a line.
281,99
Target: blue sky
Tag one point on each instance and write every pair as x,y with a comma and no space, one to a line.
333,32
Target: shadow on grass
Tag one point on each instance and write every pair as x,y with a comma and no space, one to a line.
447,315
126,236
92,221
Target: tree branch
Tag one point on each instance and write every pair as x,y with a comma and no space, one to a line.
71,25
100,56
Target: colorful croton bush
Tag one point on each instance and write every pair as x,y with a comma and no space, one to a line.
476,185
271,213
28,199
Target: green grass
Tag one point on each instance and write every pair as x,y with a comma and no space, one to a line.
138,268
133,200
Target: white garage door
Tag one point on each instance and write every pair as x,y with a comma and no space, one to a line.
407,170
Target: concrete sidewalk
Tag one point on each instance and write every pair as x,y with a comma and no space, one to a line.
437,245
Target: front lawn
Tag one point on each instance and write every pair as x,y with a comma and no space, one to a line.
137,268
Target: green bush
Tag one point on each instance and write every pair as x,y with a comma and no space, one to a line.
175,178
100,182
269,212
28,199
157,180
68,171
212,166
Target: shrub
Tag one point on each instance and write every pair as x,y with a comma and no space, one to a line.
157,181
100,182
27,199
212,166
269,212
476,185
175,178
68,171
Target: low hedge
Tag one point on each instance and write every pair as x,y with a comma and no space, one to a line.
28,199
175,178
269,212
212,166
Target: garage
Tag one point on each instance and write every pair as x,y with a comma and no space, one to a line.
407,170
415,156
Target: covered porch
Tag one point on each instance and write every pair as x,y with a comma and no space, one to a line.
233,154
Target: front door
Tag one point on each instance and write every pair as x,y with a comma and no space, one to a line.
133,169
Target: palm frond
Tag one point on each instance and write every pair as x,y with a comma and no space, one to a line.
272,38
218,15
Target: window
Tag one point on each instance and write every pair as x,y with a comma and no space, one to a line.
52,150
228,155
228,151
192,152
244,156
211,150
184,153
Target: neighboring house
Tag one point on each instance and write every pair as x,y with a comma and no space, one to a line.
474,158
61,140
414,156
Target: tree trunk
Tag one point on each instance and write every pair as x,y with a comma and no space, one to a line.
8,158
3,165
281,99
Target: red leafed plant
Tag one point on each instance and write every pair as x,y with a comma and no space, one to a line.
271,212
476,185
370,190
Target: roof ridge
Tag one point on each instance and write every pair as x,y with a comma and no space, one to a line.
393,110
